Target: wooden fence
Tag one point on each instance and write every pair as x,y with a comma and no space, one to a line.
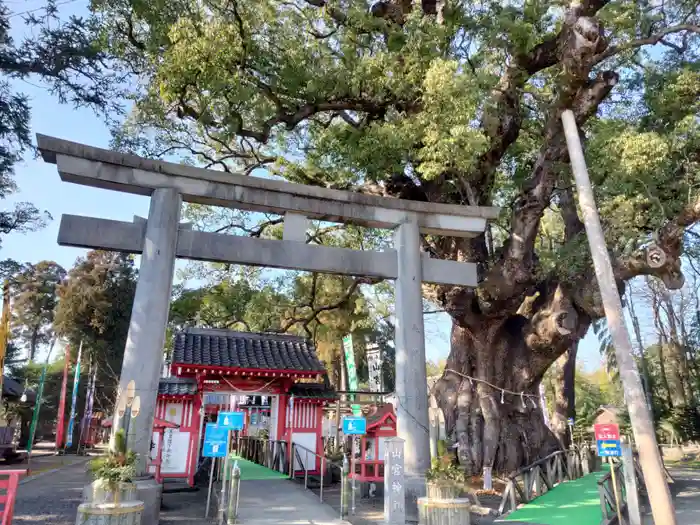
606,490
544,474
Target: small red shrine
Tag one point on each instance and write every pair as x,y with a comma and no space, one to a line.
369,463
276,379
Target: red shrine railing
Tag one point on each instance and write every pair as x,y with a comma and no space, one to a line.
9,480
368,470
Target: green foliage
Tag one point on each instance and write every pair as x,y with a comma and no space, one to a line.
339,96
682,424
67,57
441,447
34,302
435,368
445,468
29,374
118,466
95,307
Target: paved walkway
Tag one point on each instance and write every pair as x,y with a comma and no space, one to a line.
686,496
51,498
281,502
262,502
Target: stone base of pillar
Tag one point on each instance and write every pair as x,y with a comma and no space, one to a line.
451,511
415,488
150,492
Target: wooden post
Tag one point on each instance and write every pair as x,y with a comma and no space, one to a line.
642,426
631,491
615,492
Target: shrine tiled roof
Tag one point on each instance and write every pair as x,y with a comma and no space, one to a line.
313,391
177,386
243,350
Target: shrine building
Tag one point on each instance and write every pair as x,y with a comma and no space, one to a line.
277,380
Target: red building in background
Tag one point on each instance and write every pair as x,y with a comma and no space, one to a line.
276,379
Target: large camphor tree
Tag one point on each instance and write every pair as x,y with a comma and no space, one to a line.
454,102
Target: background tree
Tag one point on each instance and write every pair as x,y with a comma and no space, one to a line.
95,307
33,303
65,56
452,102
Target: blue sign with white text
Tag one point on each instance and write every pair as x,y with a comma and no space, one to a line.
231,420
609,448
354,426
215,440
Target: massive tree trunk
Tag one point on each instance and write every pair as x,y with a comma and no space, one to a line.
564,377
490,390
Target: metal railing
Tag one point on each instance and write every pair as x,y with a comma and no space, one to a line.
347,490
225,492
266,452
541,476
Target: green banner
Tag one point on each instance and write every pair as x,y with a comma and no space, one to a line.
37,408
352,371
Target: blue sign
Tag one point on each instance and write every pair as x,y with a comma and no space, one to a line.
231,420
609,448
215,441
354,426
571,421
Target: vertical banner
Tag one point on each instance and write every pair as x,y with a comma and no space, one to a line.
352,371
61,418
4,330
74,399
87,415
374,364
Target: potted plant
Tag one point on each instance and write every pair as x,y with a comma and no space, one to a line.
445,479
112,496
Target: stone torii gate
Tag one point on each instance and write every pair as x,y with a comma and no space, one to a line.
161,239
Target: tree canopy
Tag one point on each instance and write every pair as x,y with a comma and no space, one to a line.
34,303
94,308
65,55
455,102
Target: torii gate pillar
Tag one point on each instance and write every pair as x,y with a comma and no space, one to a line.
143,353
411,380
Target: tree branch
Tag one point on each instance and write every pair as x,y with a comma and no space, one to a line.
507,281
662,258
648,41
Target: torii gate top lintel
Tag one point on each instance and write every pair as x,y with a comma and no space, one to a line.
101,168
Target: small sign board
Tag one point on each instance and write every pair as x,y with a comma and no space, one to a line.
609,449
231,420
354,426
571,421
607,438
215,439
606,431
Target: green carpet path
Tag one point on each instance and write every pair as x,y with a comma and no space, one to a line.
252,471
570,503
